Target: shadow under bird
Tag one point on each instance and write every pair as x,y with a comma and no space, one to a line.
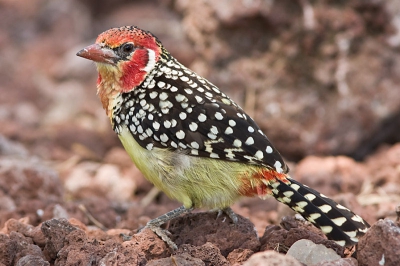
193,142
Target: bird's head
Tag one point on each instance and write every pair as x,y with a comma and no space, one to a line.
123,56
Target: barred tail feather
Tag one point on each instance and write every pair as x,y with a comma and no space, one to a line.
336,221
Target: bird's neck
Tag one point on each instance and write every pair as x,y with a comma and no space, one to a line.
109,88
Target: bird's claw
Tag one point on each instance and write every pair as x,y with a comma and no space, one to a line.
229,212
163,234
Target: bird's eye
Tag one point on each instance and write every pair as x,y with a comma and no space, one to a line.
127,48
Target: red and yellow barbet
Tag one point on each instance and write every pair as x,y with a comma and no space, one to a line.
192,141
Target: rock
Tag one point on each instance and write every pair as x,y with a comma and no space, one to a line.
199,228
148,244
239,256
208,253
28,186
32,260
271,258
339,262
380,245
309,253
7,249
181,260
281,239
25,246
55,231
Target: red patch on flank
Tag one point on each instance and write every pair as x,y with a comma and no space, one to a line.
256,187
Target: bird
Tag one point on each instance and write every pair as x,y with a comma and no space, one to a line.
193,142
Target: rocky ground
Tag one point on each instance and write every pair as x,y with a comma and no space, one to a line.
320,77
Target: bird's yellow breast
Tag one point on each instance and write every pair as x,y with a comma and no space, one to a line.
194,181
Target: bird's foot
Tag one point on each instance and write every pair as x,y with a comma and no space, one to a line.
229,212
163,234
155,225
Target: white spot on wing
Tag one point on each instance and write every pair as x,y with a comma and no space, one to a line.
214,155
164,137
357,219
269,149
339,221
167,124
278,167
228,131
182,115
161,84
295,186
153,94
194,145
310,196
214,130
156,125
163,96
218,116
325,208
193,126
302,204
351,233
249,141
180,134
237,143
259,155
288,193
326,229
202,117
340,242
149,146
314,216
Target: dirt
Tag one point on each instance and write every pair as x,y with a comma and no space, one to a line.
320,78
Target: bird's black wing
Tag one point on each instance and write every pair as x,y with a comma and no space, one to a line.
177,109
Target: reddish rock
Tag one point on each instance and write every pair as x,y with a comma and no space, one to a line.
380,245
55,231
209,253
281,239
24,246
199,228
181,260
7,249
147,243
239,256
30,185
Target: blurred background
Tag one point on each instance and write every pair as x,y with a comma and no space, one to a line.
321,78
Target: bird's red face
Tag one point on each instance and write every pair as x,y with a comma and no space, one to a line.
123,56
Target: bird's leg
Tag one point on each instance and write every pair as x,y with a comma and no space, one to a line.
154,225
228,211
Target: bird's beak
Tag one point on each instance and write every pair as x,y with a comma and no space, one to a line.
98,54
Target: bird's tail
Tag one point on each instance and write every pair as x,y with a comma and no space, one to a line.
336,221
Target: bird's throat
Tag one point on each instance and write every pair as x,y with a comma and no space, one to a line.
108,87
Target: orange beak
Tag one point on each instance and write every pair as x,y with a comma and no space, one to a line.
98,54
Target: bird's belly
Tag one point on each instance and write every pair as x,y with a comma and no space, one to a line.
194,181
